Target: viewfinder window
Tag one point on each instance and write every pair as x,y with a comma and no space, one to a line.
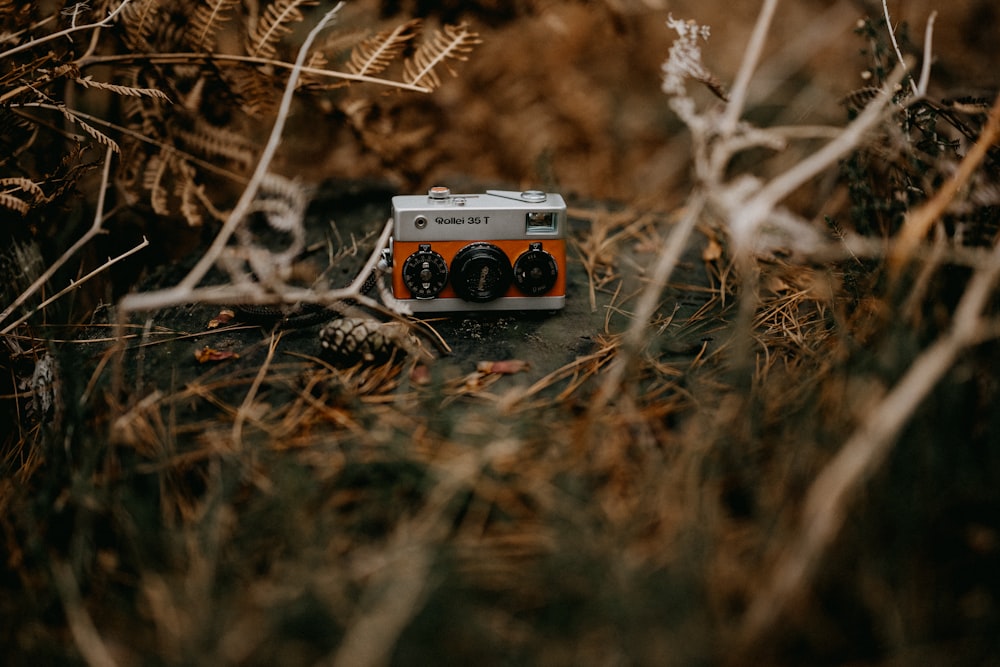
540,223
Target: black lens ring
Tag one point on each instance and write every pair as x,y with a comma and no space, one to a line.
481,272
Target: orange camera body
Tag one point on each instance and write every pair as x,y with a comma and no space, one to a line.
494,251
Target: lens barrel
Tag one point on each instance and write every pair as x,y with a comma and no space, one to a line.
481,272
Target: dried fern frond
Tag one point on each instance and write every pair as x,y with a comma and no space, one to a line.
24,184
91,131
253,88
212,141
375,54
858,99
12,203
273,25
191,196
139,20
193,201
449,43
152,180
283,201
205,23
127,91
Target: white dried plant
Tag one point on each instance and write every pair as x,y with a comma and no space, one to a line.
747,205
684,63
748,208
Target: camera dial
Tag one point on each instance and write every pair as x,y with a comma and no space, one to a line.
425,272
481,272
535,271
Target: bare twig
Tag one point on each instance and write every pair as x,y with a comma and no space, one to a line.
95,229
395,591
224,58
163,146
895,44
917,222
925,67
746,218
92,647
827,500
260,173
105,23
634,337
248,401
75,284
751,56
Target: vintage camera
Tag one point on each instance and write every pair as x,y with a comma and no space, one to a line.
494,251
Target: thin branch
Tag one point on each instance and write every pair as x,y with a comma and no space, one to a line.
250,192
917,222
925,67
105,23
188,157
760,205
895,44
186,290
398,584
95,229
223,58
827,500
650,299
738,94
245,408
75,284
88,640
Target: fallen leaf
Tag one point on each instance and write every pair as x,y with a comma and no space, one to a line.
225,316
506,367
420,375
207,354
712,251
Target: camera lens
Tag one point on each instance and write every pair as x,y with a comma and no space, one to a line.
425,273
481,272
535,271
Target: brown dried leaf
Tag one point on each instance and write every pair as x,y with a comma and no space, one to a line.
712,251
225,316
207,354
505,367
420,375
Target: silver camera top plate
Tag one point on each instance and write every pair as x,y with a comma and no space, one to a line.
497,214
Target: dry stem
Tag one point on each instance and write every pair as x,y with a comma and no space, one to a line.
104,23
828,498
751,56
917,223
895,44
95,228
224,58
634,337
